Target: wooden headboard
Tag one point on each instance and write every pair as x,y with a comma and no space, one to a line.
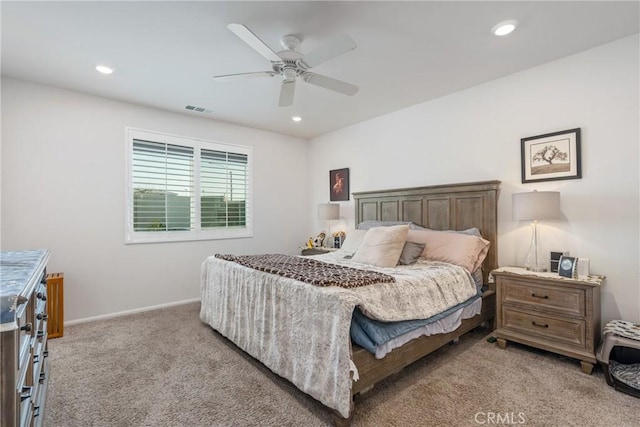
439,207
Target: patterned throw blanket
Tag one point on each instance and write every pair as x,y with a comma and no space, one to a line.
309,270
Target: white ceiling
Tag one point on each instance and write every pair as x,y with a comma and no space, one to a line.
165,53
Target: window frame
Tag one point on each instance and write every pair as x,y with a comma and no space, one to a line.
196,233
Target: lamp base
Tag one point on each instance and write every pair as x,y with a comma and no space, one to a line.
532,263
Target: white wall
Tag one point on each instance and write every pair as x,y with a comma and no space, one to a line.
63,188
475,134
63,177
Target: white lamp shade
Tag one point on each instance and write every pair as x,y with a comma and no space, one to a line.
328,211
536,206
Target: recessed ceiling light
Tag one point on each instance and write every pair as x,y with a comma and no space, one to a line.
296,118
104,69
505,27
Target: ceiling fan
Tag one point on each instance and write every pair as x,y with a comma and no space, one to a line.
291,64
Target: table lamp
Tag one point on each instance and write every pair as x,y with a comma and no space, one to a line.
536,206
328,212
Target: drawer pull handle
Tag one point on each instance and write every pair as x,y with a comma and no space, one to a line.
26,327
25,394
540,325
540,296
41,316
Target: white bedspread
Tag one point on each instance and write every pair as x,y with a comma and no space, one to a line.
301,331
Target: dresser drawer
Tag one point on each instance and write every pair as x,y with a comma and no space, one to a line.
551,298
567,331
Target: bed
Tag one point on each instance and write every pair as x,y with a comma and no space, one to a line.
302,332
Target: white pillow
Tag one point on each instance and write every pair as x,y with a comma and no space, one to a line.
382,246
352,241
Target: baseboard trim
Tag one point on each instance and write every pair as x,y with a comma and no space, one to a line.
126,312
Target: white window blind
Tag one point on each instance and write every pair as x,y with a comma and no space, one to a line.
166,173
224,189
162,186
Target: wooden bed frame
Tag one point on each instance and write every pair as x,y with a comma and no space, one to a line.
439,207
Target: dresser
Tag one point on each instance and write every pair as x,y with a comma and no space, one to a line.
549,312
23,337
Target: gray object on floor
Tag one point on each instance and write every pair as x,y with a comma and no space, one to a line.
619,356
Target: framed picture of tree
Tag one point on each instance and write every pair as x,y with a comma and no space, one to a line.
551,157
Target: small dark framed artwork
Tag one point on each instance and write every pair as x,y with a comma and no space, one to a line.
339,185
551,157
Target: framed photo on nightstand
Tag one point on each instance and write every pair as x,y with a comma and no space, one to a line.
568,267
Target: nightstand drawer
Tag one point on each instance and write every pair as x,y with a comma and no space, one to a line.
568,331
561,300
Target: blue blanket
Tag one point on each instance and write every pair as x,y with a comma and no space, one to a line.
369,333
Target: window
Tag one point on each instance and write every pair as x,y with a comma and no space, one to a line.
186,189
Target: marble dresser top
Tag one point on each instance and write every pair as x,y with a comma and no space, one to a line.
19,273
593,279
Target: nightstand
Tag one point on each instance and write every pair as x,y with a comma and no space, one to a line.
549,312
316,251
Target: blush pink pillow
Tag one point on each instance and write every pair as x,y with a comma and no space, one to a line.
455,248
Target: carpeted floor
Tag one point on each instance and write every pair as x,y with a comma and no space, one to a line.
166,368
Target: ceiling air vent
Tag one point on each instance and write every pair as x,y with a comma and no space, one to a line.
198,109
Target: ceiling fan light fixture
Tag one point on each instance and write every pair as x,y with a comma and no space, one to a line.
505,27
289,73
104,69
296,118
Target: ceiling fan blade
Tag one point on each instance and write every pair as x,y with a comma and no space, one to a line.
330,50
286,93
227,77
252,40
330,83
